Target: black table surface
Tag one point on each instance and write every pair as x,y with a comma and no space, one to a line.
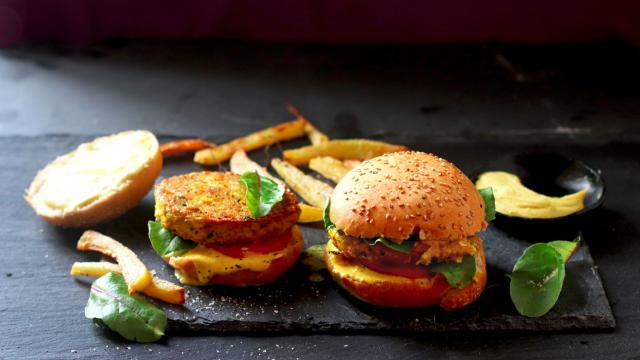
582,98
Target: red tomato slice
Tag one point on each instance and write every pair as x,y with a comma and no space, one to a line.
265,245
408,271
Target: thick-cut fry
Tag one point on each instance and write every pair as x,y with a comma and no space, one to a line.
310,189
241,163
331,168
315,136
93,269
351,163
158,288
309,214
282,132
186,145
361,149
134,272
165,290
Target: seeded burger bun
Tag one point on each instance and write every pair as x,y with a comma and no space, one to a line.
98,181
406,196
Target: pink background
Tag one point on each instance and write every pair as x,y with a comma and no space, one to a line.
334,21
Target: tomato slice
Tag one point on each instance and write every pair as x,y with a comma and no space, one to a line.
264,245
408,271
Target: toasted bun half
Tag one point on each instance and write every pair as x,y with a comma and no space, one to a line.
187,272
400,292
398,194
98,181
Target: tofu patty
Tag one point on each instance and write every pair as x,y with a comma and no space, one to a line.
210,208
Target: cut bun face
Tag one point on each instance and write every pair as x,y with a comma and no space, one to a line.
98,181
400,292
399,194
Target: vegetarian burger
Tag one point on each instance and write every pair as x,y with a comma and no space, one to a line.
207,232
402,233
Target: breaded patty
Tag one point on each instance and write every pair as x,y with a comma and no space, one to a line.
210,208
423,252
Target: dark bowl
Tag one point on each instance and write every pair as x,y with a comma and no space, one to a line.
553,175
558,175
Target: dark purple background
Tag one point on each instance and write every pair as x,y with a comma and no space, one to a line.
334,21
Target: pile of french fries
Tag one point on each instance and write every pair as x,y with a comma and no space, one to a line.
135,273
332,159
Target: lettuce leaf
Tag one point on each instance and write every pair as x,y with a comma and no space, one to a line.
165,243
129,315
489,203
262,193
458,275
538,276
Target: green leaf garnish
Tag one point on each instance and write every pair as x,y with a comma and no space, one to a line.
489,203
404,247
458,275
325,215
165,243
538,275
262,193
129,315
565,248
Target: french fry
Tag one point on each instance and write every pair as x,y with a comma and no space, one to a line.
351,163
360,149
241,163
309,214
282,132
331,168
158,288
165,290
310,189
134,272
186,145
315,136
94,269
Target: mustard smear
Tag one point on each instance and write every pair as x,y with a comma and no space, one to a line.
514,199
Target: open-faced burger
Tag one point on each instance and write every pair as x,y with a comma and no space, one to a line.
230,245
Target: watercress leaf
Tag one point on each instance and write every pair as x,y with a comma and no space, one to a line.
536,280
458,275
565,248
129,315
165,243
489,203
325,215
262,193
404,247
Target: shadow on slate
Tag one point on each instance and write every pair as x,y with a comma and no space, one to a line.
296,304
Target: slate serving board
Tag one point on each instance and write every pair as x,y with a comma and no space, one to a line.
296,304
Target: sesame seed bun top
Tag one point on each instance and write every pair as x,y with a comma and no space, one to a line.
400,194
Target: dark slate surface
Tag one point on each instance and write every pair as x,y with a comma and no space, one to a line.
453,100
294,303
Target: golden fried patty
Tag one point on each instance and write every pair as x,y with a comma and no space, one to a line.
423,252
210,208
